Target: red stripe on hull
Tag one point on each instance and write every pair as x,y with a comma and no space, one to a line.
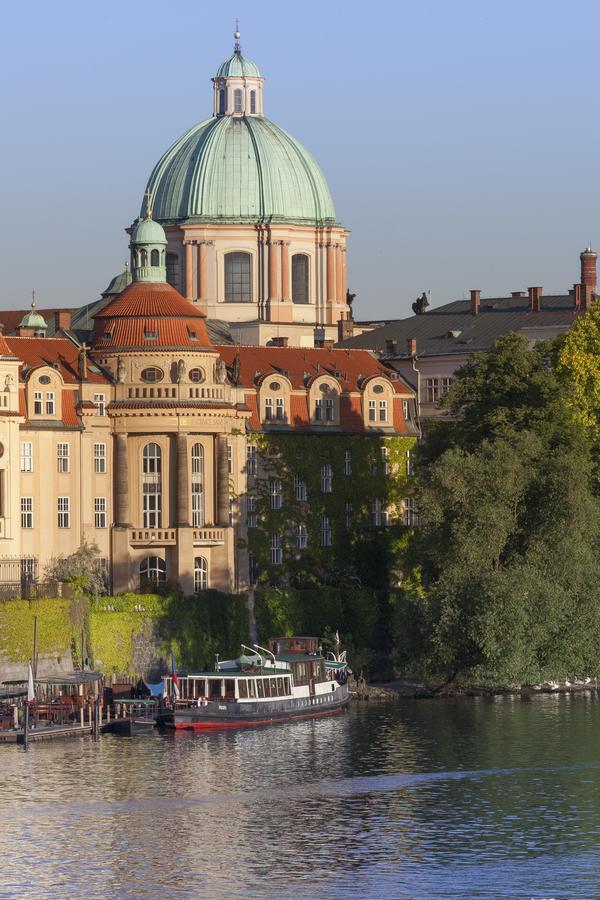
202,726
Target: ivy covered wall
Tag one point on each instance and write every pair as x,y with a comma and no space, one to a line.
364,470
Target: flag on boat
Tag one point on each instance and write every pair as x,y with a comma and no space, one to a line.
174,676
30,687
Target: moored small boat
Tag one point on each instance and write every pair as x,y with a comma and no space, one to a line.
290,679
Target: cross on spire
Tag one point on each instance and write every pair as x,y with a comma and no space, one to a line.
33,299
237,36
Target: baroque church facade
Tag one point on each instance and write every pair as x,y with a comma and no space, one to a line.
136,427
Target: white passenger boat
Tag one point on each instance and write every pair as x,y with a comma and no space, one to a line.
289,679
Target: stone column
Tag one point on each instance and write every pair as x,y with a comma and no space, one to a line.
189,270
285,270
222,485
202,273
330,273
121,481
183,488
273,280
344,287
338,272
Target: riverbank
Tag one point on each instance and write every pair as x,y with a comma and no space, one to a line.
414,689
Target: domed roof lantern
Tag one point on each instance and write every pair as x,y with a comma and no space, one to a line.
148,247
34,320
238,85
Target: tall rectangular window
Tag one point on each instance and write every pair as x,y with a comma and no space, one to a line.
100,512
446,384
252,570
64,512
349,511
50,403
329,409
237,100
279,409
326,479
100,459
276,494
385,453
347,462
37,403
376,512
406,410
238,282
269,408
230,511
383,410
62,454
410,513
276,550
372,411
432,390
301,537
318,410
26,456
26,512
229,459
251,459
197,504
325,532
409,463
251,514
100,404
300,492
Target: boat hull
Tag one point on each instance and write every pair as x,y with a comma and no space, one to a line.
231,714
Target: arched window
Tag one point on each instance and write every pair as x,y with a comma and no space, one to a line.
253,102
197,486
222,102
144,257
154,258
200,574
173,269
151,486
153,570
300,278
237,100
238,283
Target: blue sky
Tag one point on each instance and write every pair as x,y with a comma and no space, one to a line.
460,139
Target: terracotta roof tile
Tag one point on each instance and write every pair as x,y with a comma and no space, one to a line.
11,318
252,401
37,352
130,333
146,298
303,365
299,416
351,418
69,413
168,404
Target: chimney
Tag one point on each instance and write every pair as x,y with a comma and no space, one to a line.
279,341
475,302
24,331
588,277
535,299
62,319
328,344
411,346
390,347
577,296
345,328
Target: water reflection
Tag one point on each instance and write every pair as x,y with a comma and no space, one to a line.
468,798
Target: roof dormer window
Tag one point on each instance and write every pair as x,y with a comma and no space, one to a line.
150,335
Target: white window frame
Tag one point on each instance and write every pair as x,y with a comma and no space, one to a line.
326,478
347,462
269,409
251,459
326,536
38,403
301,537
329,409
251,512
383,410
349,514
300,491
280,409
100,512
100,404
50,403
276,550
319,409
276,493
63,505
410,515
410,468
385,462
372,410
26,512
63,457
100,459
200,574
406,410
26,456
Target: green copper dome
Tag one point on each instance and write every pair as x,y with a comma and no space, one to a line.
147,231
33,320
238,65
242,170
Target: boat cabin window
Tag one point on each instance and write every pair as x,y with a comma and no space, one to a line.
267,687
260,688
280,687
242,689
251,688
229,692
288,688
273,687
299,673
214,688
318,670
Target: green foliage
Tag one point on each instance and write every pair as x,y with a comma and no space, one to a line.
59,622
511,525
361,554
81,570
579,364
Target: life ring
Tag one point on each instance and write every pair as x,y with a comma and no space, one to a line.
202,701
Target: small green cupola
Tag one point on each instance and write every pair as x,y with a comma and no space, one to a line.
34,320
148,248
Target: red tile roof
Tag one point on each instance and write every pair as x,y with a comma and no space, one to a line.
11,318
303,365
37,352
149,307
69,411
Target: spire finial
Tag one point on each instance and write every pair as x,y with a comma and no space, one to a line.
148,196
236,47
33,299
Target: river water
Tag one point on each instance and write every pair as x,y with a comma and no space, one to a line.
427,798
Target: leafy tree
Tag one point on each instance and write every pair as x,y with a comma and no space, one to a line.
579,363
81,570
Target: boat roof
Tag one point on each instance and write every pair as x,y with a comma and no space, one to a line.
68,678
